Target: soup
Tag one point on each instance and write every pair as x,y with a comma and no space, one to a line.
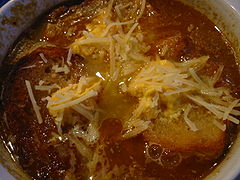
120,89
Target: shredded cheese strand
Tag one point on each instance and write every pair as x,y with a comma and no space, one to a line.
196,78
208,106
95,40
112,58
229,109
76,101
217,75
28,67
81,147
221,126
69,57
192,126
142,9
43,58
86,113
211,108
115,24
47,88
130,32
34,103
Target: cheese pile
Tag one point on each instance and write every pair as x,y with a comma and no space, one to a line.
115,38
165,78
78,97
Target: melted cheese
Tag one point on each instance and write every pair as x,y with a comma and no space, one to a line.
112,38
167,78
73,96
118,39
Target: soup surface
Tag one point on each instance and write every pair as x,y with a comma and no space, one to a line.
119,89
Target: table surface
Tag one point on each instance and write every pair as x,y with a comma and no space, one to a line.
4,176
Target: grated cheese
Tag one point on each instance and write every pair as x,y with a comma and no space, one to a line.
215,110
117,39
221,126
95,40
90,136
105,33
118,11
34,103
47,88
192,126
69,57
65,69
157,87
229,109
208,106
196,78
136,125
137,128
167,78
142,8
28,67
112,58
43,58
110,6
217,75
131,31
83,111
73,96
84,150
233,119
82,98
41,82
178,91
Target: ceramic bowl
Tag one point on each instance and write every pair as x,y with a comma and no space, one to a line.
17,15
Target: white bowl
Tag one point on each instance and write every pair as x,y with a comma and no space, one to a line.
17,15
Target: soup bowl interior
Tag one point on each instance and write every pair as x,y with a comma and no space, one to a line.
17,15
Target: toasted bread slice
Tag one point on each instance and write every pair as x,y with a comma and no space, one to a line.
171,131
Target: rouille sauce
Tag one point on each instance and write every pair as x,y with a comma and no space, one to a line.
197,35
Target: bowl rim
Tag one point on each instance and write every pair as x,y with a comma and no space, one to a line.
230,4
